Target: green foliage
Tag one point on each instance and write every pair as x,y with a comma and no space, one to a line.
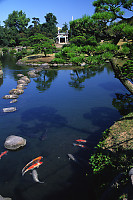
78,40
50,26
93,60
5,50
13,51
99,161
17,20
41,44
65,27
107,56
77,60
58,60
87,27
106,47
113,7
87,49
127,69
124,50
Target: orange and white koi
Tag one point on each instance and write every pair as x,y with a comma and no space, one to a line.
3,153
79,145
81,140
35,160
36,165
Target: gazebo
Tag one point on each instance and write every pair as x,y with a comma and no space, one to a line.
62,38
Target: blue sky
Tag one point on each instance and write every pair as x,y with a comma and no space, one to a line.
63,10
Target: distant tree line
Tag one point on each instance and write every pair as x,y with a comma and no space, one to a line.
16,30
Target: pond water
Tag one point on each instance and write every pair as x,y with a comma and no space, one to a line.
57,108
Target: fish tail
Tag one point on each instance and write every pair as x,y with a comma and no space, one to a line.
40,182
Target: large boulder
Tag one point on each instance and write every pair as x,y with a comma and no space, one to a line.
14,142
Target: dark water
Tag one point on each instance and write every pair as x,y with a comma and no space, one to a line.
56,109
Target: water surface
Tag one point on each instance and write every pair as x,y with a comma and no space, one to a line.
56,109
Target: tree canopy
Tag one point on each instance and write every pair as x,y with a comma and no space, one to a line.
17,20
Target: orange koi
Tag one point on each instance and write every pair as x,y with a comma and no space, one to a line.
32,162
32,167
3,153
79,145
81,140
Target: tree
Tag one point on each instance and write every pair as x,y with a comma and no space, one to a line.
3,37
109,11
65,27
50,26
87,27
15,25
17,20
41,44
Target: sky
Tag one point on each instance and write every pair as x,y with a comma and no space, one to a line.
63,10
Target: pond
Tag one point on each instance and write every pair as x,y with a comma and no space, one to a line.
56,109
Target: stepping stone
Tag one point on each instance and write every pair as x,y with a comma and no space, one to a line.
10,109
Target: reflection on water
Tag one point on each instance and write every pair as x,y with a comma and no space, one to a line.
38,119
57,108
1,81
44,81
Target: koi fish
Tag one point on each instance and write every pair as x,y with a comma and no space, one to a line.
3,153
32,162
81,140
79,145
72,157
35,176
32,167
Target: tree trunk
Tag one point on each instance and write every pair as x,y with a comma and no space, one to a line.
127,84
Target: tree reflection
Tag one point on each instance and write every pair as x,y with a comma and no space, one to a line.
45,79
124,103
1,81
79,76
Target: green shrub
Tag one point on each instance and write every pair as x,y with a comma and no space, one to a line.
93,60
58,60
77,60
13,51
5,50
58,55
124,50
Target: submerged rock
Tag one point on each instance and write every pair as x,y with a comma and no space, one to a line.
32,74
14,142
10,109
10,96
